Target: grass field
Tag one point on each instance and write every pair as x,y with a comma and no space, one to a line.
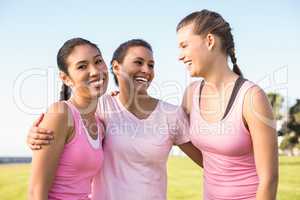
185,180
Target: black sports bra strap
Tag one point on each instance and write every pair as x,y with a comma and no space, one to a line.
238,84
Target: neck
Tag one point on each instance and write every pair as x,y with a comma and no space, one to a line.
219,74
86,106
131,99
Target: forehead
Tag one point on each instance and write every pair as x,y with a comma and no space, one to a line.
139,51
83,52
185,32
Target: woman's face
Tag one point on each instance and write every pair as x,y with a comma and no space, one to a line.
87,72
194,51
137,69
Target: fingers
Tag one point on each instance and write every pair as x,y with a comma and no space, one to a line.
38,142
40,133
34,147
38,121
37,136
114,93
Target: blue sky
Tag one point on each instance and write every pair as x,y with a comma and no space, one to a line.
266,36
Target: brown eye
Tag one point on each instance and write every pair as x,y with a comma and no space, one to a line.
151,65
138,62
81,67
98,61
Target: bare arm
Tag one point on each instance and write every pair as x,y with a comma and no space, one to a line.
186,103
191,151
188,148
44,161
258,115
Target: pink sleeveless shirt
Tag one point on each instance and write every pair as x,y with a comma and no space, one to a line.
229,167
79,162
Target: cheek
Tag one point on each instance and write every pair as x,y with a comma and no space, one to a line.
200,53
123,73
79,79
192,51
103,68
152,74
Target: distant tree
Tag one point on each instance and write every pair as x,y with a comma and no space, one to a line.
291,128
294,118
276,101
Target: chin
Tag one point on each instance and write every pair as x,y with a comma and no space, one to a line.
196,73
94,95
98,94
142,91
193,74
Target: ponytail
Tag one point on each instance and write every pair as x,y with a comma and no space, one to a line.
65,92
235,68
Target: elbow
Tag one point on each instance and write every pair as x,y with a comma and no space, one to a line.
267,188
36,193
270,182
32,193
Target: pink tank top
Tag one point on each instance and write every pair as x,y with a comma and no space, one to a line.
229,167
80,161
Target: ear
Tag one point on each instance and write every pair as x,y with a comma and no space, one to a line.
210,41
116,67
65,78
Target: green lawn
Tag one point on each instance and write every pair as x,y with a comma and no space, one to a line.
185,180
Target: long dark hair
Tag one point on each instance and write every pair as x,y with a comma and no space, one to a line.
206,22
62,55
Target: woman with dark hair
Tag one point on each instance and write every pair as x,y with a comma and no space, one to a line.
65,168
231,120
141,130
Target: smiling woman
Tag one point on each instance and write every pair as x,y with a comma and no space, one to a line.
73,51
141,131
65,168
231,120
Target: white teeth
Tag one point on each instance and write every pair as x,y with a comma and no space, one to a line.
188,63
141,79
97,83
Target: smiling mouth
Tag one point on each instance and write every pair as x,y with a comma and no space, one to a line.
97,83
141,80
188,63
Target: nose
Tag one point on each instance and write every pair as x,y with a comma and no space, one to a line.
180,56
94,70
146,69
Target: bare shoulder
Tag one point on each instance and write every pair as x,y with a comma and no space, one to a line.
59,107
255,97
191,87
256,107
188,96
58,118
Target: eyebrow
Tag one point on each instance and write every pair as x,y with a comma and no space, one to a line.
85,61
140,58
81,62
97,55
